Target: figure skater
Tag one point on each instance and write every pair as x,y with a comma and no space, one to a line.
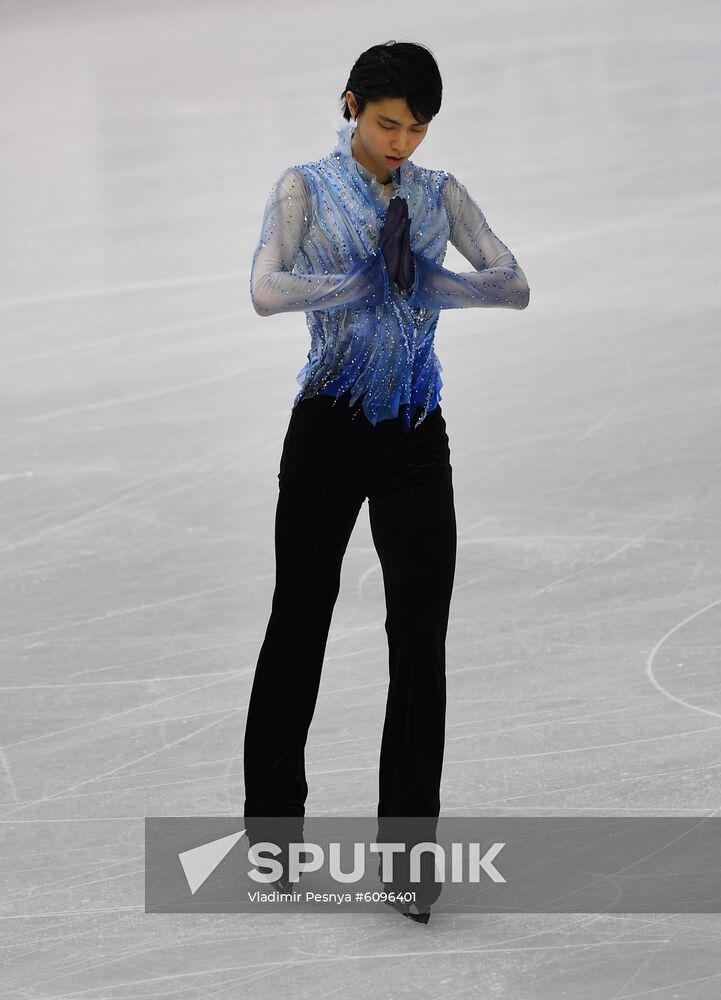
356,241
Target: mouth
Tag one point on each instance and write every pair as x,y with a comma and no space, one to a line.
395,160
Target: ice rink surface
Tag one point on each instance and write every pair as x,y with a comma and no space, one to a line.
144,405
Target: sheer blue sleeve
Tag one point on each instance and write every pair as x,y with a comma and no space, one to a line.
273,286
498,279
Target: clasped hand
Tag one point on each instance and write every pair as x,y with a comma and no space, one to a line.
395,244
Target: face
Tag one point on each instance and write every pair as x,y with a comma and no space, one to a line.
385,129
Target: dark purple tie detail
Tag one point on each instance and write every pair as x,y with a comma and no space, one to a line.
395,244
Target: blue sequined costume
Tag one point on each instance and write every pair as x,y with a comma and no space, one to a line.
318,253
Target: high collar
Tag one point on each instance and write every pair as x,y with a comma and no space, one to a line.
343,150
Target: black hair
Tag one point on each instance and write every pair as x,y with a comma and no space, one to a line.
396,69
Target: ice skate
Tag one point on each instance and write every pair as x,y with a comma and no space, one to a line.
283,884
421,915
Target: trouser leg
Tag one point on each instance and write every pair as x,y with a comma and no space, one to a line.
413,524
316,510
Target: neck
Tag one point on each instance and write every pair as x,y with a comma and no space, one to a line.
380,179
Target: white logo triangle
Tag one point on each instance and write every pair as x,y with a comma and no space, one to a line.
199,863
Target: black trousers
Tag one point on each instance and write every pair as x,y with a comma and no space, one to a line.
333,458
